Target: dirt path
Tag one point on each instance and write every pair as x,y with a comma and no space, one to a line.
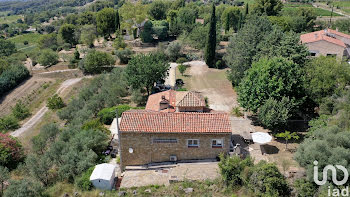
35,119
171,79
212,83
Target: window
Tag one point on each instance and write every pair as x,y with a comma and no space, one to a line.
158,140
193,143
217,143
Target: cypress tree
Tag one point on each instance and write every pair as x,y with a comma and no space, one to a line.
240,21
246,10
227,24
117,20
211,41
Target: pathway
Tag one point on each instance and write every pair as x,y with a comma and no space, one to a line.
36,118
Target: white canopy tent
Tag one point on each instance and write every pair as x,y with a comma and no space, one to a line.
261,138
103,176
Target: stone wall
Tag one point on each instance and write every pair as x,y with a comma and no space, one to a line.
145,151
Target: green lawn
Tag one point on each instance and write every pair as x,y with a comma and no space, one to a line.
8,19
318,11
295,5
32,39
342,3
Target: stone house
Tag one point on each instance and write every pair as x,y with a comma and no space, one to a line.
327,42
152,136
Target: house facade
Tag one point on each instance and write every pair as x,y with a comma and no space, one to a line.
327,42
149,136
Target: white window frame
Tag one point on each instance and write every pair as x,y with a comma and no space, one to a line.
192,146
217,146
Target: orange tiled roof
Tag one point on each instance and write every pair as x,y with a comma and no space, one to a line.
182,99
191,99
320,35
178,122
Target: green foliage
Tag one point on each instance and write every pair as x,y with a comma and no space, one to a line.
24,188
144,70
6,48
20,111
8,123
268,7
48,58
230,18
4,176
181,60
287,135
232,168
304,188
124,55
182,68
48,41
236,111
271,78
11,151
95,62
88,35
297,20
243,46
194,38
55,102
265,180
3,66
119,42
67,33
11,77
210,47
106,20
186,18
133,14
174,51
147,32
274,114
107,115
39,167
95,124
326,76
46,137
158,10
160,29
105,90
83,182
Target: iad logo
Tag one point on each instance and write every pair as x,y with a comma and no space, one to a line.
334,174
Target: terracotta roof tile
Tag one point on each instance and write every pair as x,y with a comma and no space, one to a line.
339,33
320,35
191,99
178,122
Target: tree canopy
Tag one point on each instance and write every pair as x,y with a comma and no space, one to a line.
95,62
271,78
106,22
144,70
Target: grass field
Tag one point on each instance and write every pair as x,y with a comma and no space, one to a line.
342,3
318,11
8,19
32,39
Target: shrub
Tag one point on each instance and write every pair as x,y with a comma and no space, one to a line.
107,115
11,77
11,151
83,182
95,124
20,111
55,102
182,68
181,60
124,55
95,62
25,42
48,57
8,123
174,51
231,169
236,111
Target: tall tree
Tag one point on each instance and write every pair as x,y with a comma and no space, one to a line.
144,70
7,48
158,10
243,46
268,7
211,40
271,78
106,22
246,10
67,33
117,20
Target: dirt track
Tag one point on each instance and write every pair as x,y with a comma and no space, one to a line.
32,121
